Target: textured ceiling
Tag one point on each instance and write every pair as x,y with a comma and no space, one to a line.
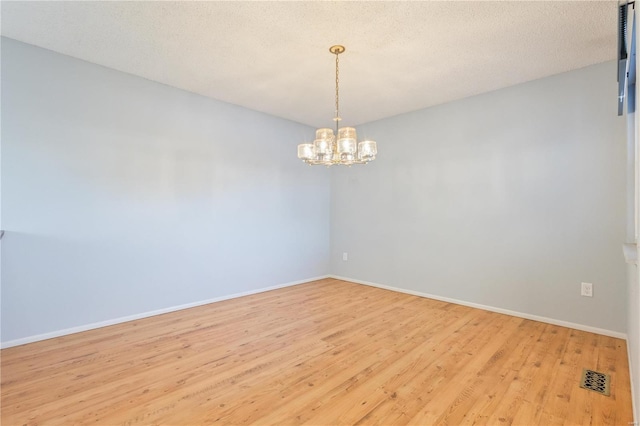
273,56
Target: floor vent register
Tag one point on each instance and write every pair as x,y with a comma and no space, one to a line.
595,381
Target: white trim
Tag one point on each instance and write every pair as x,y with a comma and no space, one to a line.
632,386
92,326
630,251
576,326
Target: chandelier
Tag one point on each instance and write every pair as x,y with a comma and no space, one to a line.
342,148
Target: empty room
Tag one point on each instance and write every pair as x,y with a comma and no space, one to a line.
319,212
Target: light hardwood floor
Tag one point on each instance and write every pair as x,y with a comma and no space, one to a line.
325,353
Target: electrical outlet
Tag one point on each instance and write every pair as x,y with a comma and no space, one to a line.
345,256
586,290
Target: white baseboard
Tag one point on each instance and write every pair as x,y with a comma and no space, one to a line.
633,384
567,324
92,326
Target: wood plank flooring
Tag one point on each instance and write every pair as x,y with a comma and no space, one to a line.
327,352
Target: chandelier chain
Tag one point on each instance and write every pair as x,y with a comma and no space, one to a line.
337,87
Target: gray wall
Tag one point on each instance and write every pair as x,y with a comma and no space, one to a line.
633,216
122,196
633,333
509,199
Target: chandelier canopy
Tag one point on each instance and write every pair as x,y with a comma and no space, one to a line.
339,148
